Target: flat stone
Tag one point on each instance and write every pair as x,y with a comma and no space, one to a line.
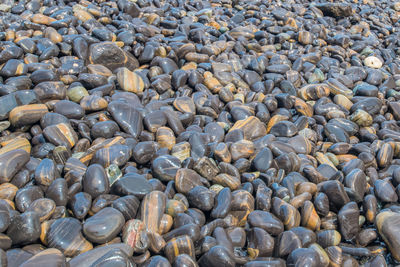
111,56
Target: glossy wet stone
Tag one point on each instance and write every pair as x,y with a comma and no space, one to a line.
165,137
185,104
153,120
128,118
105,129
49,257
80,204
242,149
95,181
304,256
134,235
69,109
76,93
251,127
100,229
336,134
284,129
11,162
26,195
8,191
335,192
166,167
52,118
260,242
90,257
366,236
116,256
384,191
132,184
222,203
6,242
111,56
116,154
43,207
387,224
263,160
348,220
186,179
152,210
202,198
45,172
179,245
127,205
61,134
65,234
266,221
184,260
130,81
93,103
16,257
310,218
24,228
5,218
27,114
15,144
57,191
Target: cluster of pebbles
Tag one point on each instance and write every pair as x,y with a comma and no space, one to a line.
199,133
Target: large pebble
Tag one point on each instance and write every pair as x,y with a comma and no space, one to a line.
111,56
100,228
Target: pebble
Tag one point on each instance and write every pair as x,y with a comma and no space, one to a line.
24,228
267,221
69,109
336,9
373,62
100,228
49,257
127,117
43,207
65,235
104,129
132,184
111,56
130,81
11,162
27,114
387,223
61,134
95,182
90,257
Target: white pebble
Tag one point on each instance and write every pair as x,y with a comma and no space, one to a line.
373,62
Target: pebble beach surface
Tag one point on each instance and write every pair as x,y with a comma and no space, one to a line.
215,133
